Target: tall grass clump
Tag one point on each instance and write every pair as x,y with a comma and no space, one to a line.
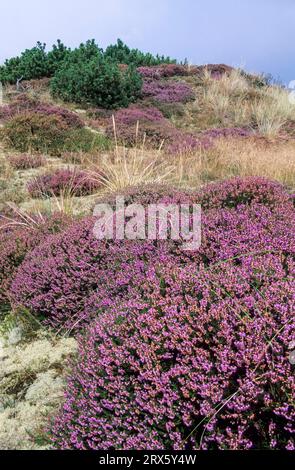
272,110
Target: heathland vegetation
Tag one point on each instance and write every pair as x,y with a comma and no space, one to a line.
176,349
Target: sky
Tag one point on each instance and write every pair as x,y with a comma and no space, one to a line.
257,35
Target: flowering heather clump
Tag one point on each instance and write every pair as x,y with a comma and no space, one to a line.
194,358
247,190
216,70
74,275
23,103
82,276
76,183
5,112
153,133
134,124
70,118
150,194
17,238
134,114
227,132
183,142
26,161
164,70
167,91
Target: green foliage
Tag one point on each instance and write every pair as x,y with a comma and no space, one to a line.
31,64
84,140
96,81
19,318
56,56
121,54
39,132
36,63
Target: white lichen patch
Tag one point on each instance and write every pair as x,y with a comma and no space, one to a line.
31,388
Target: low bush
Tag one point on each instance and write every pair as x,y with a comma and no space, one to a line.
152,133
62,181
73,276
167,91
163,71
25,103
198,361
222,132
97,81
183,142
188,358
32,63
135,126
150,194
49,133
135,114
26,161
170,110
236,191
18,236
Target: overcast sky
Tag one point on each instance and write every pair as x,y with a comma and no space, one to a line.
256,34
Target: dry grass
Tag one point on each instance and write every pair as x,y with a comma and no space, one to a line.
272,110
235,102
236,157
130,166
227,96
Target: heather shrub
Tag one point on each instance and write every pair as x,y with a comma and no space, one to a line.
183,142
39,132
135,114
214,70
62,181
135,126
248,190
224,132
81,275
73,276
25,103
167,91
150,194
96,81
198,361
19,235
84,140
26,161
152,133
163,70
35,131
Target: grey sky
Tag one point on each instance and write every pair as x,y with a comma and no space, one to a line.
257,34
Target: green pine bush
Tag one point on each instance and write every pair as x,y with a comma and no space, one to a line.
121,54
97,81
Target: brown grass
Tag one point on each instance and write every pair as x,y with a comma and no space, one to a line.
238,157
